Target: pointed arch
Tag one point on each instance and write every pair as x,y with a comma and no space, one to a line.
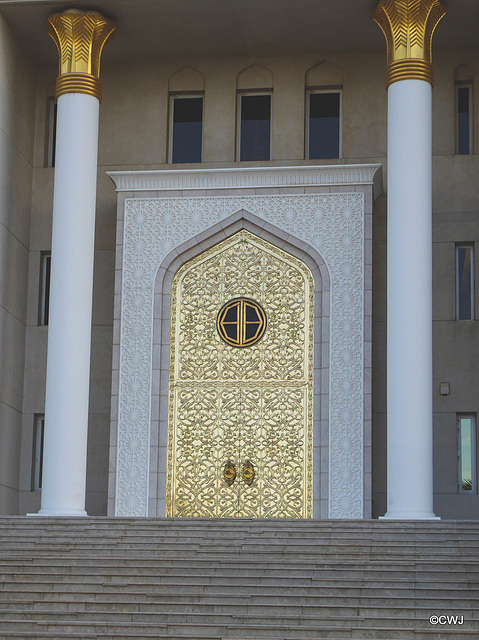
186,80
161,336
254,77
464,73
324,74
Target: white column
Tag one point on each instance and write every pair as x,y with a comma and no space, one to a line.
69,331
409,350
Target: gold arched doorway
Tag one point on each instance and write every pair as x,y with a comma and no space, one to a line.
241,384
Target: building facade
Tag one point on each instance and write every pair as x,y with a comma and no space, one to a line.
254,330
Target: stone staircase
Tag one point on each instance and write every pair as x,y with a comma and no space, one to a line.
193,579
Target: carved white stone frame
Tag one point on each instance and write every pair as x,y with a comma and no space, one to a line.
329,210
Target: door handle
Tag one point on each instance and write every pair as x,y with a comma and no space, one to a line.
248,472
229,473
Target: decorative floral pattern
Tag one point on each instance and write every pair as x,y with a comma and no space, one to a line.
251,405
333,224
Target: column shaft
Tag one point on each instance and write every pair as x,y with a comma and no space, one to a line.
69,332
409,351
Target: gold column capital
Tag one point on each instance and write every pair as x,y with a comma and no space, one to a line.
409,26
80,37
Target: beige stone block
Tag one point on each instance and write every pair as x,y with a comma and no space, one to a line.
364,96
35,369
443,100
12,348
288,111
28,502
8,501
133,121
105,223
379,360
98,452
10,441
15,190
33,292
448,173
17,95
13,275
100,373
445,452
96,503
220,114
444,281
42,209
103,287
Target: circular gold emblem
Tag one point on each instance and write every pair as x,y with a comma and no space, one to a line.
241,322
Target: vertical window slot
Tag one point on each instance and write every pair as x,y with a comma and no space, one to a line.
465,282
52,132
464,119
255,127
44,301
467,453
324,124
38,437
186,129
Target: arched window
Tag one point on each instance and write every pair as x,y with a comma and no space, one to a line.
254,86
323,136
464,120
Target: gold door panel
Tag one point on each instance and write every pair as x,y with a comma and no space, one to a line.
240,415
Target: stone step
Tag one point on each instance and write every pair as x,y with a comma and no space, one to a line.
333,614
236,580
242,630
440,573
14,589
221,602
167,584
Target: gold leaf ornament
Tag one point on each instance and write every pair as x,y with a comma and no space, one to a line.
408,26
80,37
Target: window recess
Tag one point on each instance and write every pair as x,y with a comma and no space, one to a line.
465,281
464,118
323,124
51,132
467,460
186,128
44,297
37,462
254,126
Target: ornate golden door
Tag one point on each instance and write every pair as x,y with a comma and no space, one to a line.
241,383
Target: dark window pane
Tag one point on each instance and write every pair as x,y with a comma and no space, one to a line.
463,121
44,299
40,470
231,331
464,283
251,314
255,127
187,129
251,330
53,141
46,302
231,314
324,125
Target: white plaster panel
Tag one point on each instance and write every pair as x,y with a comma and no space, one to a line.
333,224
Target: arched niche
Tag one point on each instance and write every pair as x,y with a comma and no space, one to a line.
324,74
463,73
254,77
186,80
